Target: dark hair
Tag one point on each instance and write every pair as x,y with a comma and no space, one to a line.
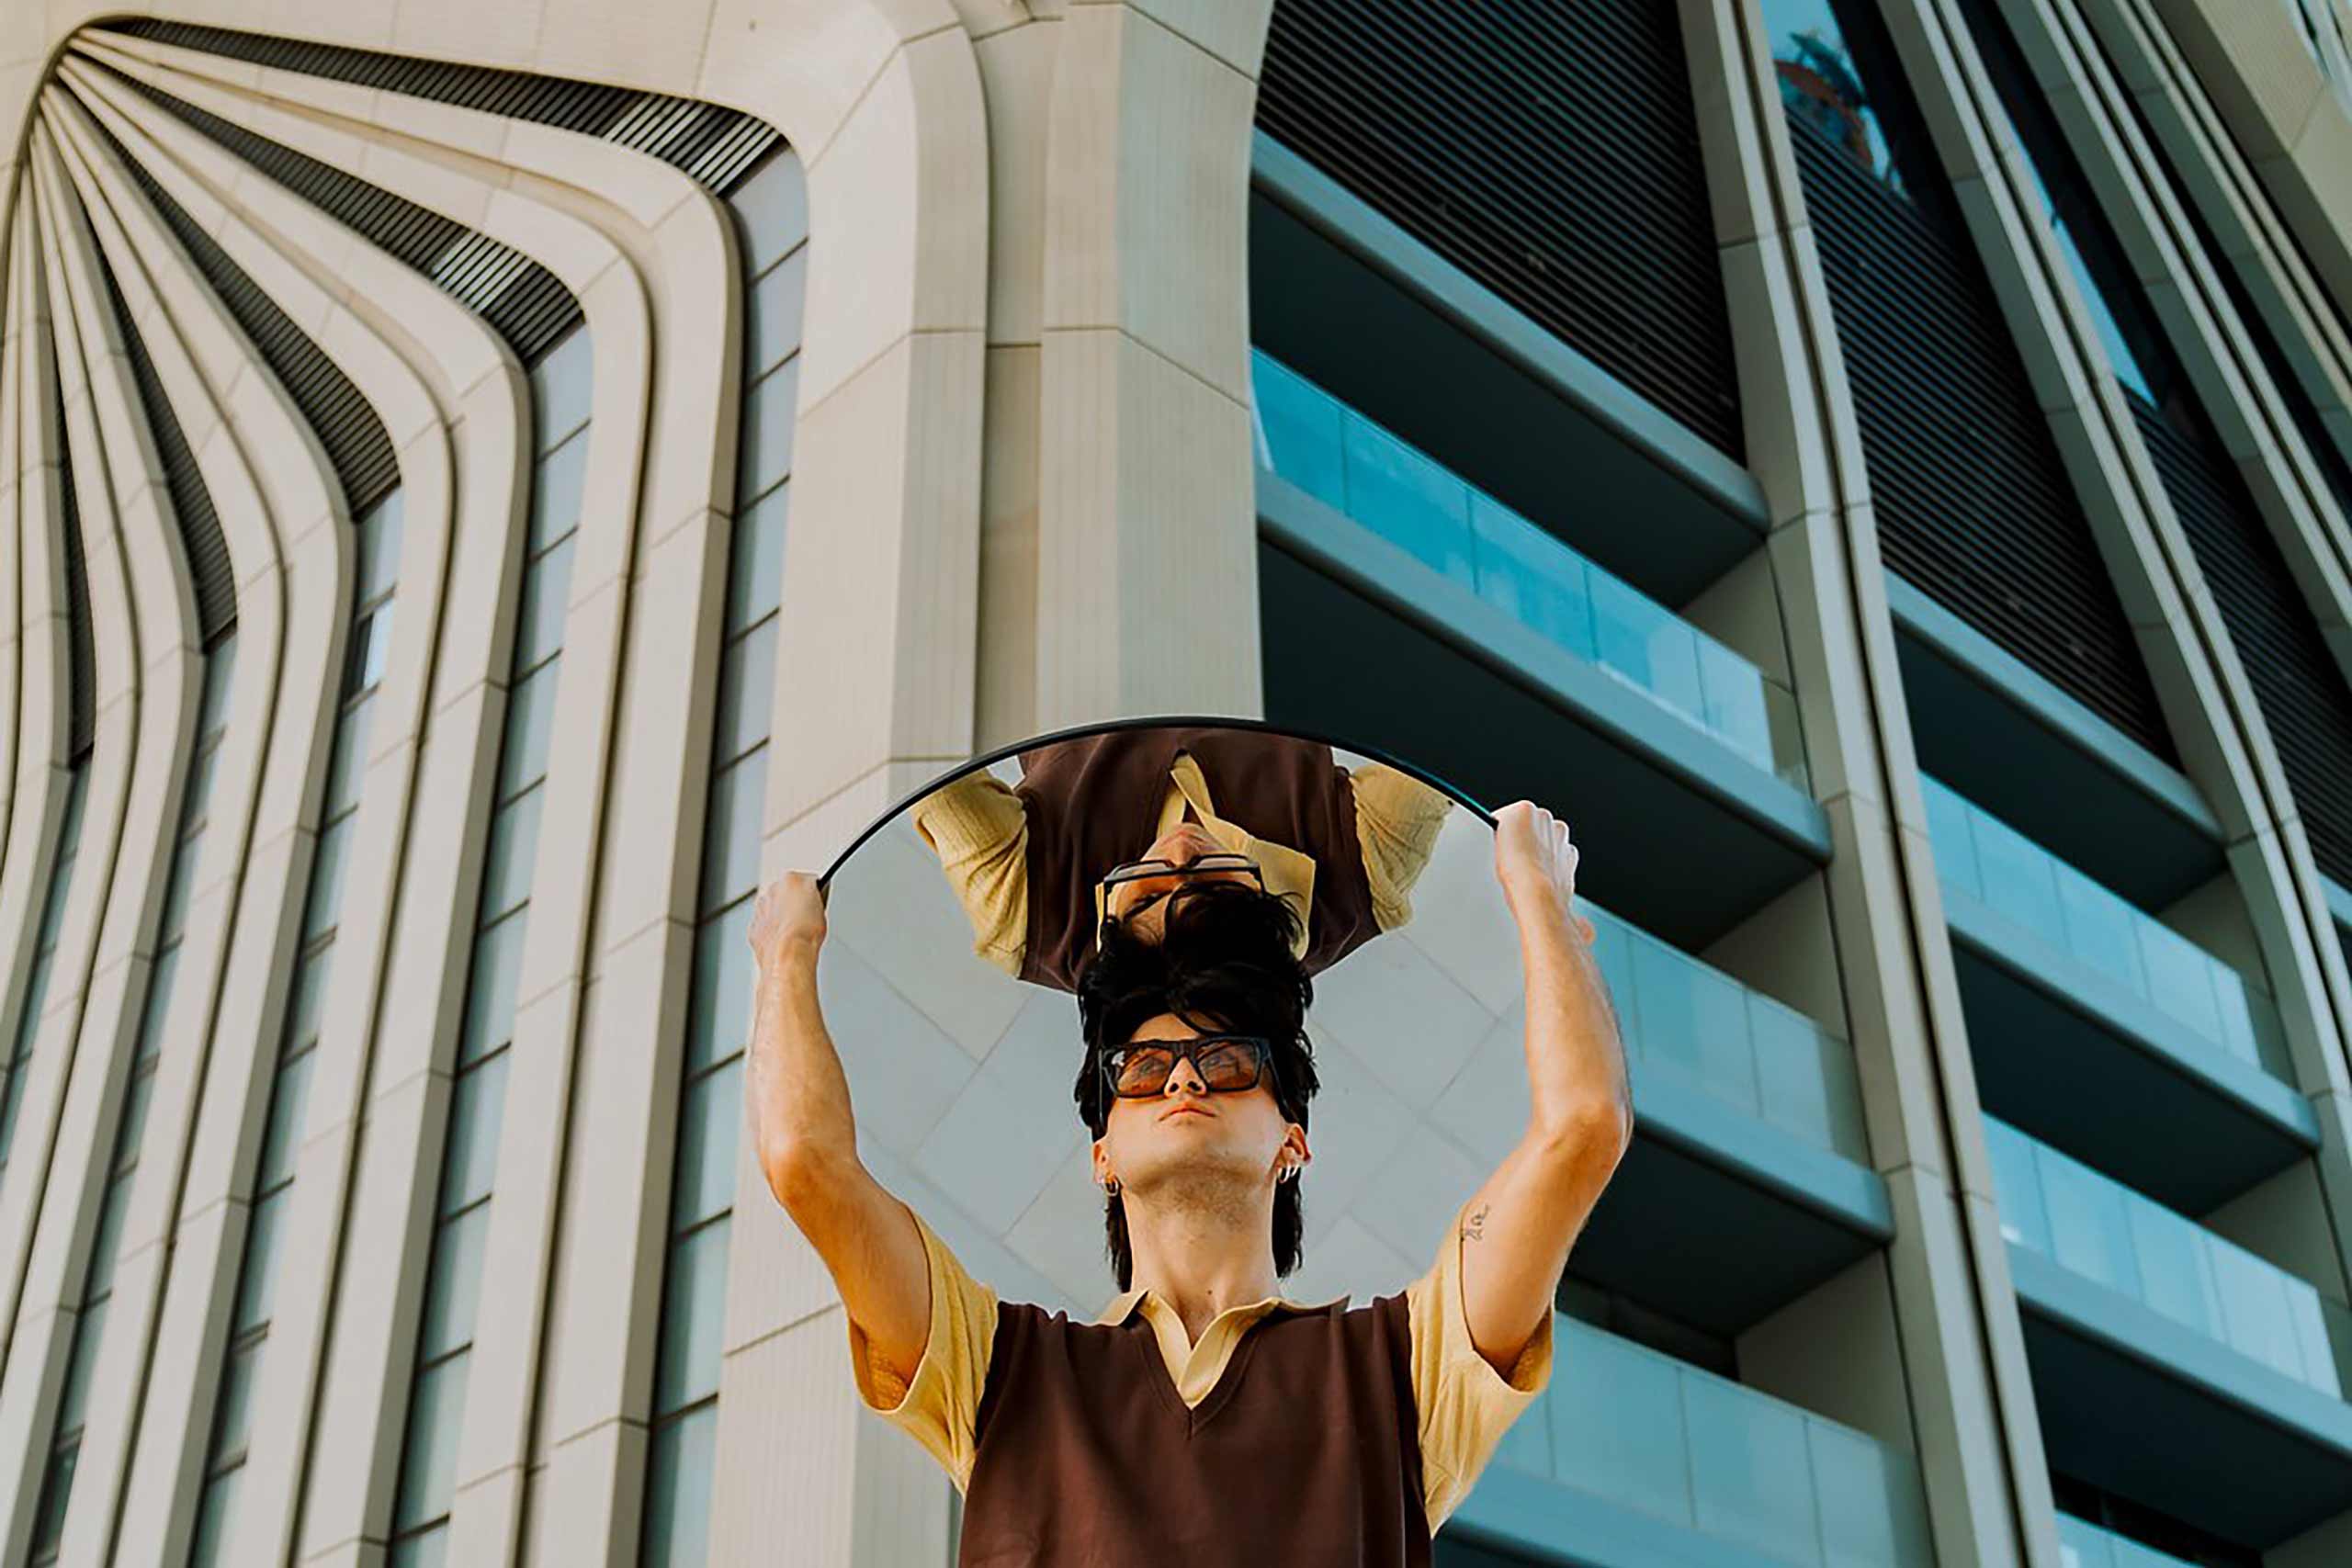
1225,961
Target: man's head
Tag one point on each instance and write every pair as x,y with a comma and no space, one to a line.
1221,962
1141,902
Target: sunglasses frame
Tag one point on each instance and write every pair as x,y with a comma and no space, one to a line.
1107,1086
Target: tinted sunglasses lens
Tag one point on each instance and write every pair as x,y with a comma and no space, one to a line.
1142,1072
1229,1065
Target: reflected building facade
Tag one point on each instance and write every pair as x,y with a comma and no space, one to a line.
477,498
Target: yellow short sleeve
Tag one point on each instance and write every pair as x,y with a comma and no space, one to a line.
1397,820
978,827
940,1406
1464,1407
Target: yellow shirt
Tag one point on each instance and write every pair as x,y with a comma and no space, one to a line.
975,824
1461,1405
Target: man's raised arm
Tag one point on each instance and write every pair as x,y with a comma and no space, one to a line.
806,1140
1519,1228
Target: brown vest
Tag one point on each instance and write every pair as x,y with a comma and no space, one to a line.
1290,791
1306,1453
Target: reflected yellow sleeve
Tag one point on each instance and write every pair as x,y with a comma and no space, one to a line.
977,830
1398,819
1465,1405
939,1407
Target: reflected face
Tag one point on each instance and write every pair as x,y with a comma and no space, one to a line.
1185,1132
1181,845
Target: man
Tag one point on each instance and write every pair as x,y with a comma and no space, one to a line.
1204,1419
1028,862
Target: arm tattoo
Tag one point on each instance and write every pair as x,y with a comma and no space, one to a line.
1475,1229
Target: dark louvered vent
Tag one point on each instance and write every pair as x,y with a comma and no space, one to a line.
715,146
1973,501
206,550
2305,702
1551,152
344,421
519,298
80,656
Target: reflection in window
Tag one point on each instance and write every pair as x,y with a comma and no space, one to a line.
1821,86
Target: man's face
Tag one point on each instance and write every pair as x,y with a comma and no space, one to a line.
1185,1133
1181,845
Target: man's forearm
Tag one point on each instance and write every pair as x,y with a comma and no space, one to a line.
799,1095
1576,1058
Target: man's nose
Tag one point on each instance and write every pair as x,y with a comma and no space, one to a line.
1185,1075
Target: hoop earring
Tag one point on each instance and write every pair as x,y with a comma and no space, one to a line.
1111,1187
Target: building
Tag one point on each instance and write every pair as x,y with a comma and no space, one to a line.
1882,469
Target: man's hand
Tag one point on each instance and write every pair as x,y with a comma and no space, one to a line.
1537,867
789,921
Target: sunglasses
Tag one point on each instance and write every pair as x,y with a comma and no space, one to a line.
1226,1064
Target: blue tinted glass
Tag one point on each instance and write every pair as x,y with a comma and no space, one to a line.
1821,88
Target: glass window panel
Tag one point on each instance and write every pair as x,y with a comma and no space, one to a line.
1648,645
116,1208
180,888
513,849
766,454
723,985
216,1518
1732,690
2089,1230
1949,833
746,689
771,208
730,862
709,1131
2018,1184
327,867
258,1285
454,1285
35,998
1750,1469
755,566
364,650
52,906
2099,928
677,1504
489,992
379,531
2180,979
1695,1019
1407,499
2175,1277
137,1096
1792,1070
77,795
538,628
213,704
1531,577
303,1008
1301,429
1641,1456
557,486
563,383
428,1550
775,302
88,1333
233,1420
430,1460
477,1106
530,719
1820,87
2253,1307
159,998
2017,879
693,1302
289,1102
196,797
57,1490
347,763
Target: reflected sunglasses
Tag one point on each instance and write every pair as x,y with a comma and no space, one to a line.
1138,869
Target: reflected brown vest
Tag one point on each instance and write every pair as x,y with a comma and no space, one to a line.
1306,1452
1290,791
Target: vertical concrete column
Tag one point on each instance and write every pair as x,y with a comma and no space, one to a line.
1962,1348
1147,533
876,668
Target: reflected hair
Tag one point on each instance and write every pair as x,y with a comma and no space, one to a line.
1223,962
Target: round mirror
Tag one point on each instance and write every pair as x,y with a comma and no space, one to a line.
961,927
